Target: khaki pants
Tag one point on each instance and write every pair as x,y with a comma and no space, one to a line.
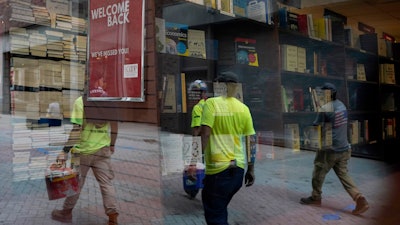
100,162
326,160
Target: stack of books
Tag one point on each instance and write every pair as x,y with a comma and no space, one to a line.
54,43
50,74
26,72
26,104
19,41
42,16
37,43
20,166
63,22
81,44
79,25
73,75
21,11
69,47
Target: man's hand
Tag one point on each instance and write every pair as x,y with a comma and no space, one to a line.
112,149
249,178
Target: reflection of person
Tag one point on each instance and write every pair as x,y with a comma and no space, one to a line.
201,87
337,156
226,125
97,86
96,145
198,87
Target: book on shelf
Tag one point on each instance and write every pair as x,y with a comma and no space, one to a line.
292,21
389,128
246,52
361,72
211,3
176,38
388,102
369,42
387,73
284,99
197,43
169,98
160,35
321,100
292,136
289,57
225,7
354,131
310,25
239,7
298,99
302,22
301,59
350,68
260,10
348,36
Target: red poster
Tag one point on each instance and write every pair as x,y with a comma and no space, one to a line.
116,41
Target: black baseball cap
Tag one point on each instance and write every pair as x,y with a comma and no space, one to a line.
329,86
227,77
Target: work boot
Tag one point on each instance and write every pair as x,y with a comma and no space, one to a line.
112,219
63,215
361,206
310,201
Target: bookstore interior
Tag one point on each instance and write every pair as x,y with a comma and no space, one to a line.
281,50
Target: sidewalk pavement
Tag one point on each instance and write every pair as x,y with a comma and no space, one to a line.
147,197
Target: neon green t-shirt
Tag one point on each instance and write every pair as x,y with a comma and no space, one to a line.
93,136
196,113
230,122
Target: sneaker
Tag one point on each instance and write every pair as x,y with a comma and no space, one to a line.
64,215
310,201
361,206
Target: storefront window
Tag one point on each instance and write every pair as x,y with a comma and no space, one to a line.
87,84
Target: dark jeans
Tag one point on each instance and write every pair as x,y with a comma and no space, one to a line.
217,193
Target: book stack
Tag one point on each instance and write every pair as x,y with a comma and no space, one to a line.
37,43
20,166
63,22
58,135
26,72
50,74
80,45
73,75
37,166
79,25
21,136
21,11
26,104
40,137
54,44
19,41
42,16
69,47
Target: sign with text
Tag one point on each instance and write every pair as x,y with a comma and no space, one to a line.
116,49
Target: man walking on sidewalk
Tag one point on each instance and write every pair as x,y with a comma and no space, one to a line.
96,145
226,124
337,156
